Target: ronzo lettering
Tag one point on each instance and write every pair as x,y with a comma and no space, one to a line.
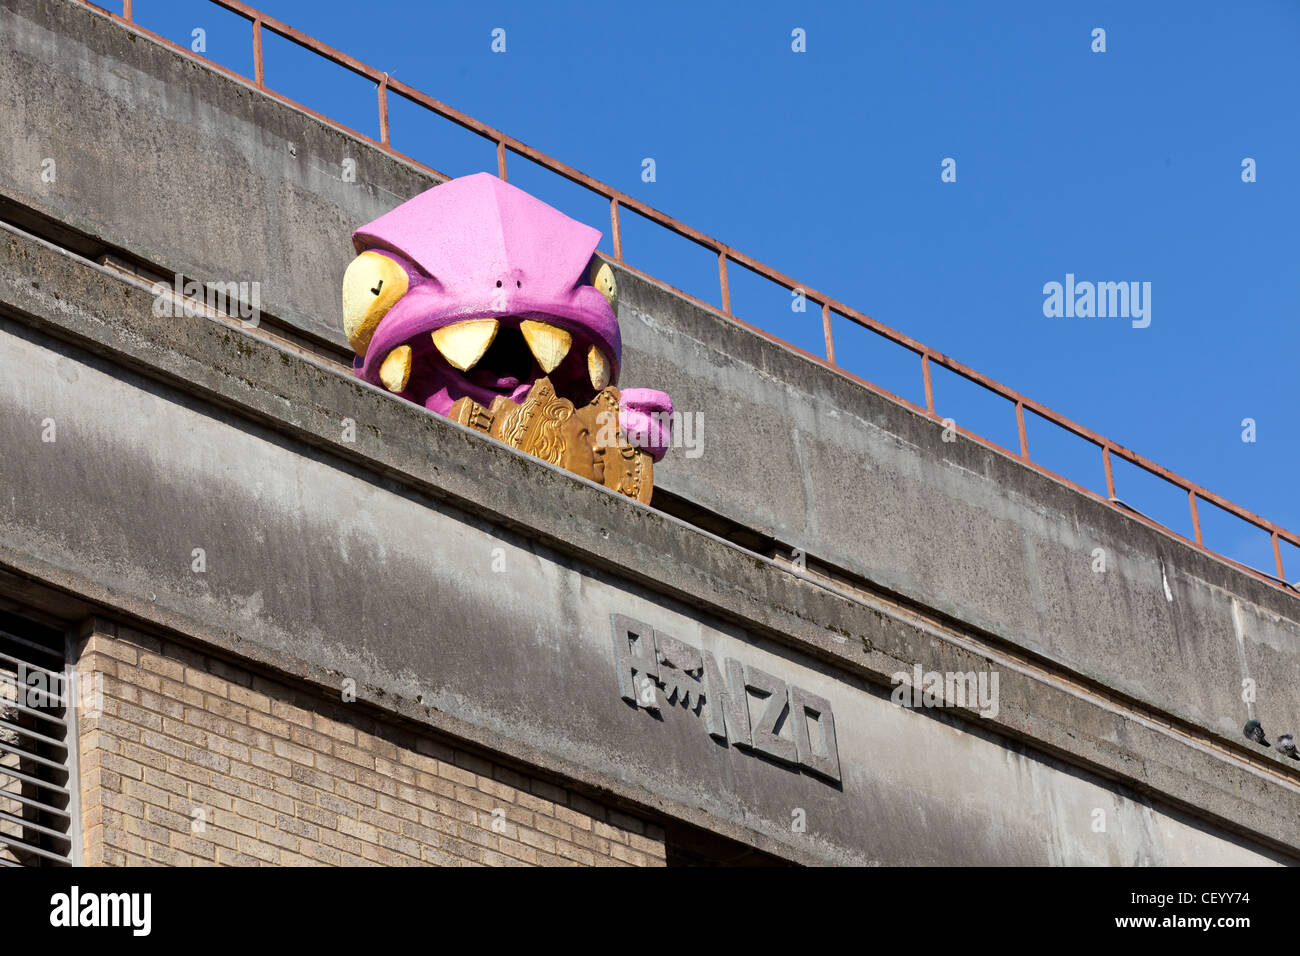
650,662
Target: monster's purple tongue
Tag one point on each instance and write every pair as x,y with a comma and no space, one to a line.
506,364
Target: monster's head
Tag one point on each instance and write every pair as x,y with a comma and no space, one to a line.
474,288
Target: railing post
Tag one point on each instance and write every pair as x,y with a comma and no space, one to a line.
929,389
1110,477
722,278
258,76
826,328
1277,558
501,160
614,230
1020,426
126,10
1196,518
383,110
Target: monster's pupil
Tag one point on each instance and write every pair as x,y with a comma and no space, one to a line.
376,289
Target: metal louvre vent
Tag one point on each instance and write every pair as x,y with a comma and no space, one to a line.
36,805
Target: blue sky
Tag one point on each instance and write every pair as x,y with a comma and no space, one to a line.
1115,166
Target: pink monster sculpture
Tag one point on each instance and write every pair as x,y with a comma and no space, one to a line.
476,289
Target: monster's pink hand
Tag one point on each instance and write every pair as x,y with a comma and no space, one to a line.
646,418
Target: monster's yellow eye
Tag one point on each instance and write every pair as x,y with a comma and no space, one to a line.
370,287
602,277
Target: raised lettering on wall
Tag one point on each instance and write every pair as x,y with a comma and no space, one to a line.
657,672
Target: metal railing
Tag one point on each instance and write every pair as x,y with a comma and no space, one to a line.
386,85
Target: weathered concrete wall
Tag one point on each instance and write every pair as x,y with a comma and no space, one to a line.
373,558
799,452
198,174
304,558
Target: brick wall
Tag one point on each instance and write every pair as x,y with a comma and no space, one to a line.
194,761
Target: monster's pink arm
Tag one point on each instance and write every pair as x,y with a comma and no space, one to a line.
646,417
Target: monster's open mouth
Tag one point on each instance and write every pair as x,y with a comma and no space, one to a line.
490,357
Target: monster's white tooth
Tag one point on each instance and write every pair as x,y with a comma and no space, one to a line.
396,370
597,368
464,343
548,344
